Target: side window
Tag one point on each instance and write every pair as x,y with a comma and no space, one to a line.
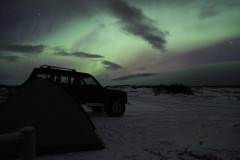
58,78
67,80
77,81
64,80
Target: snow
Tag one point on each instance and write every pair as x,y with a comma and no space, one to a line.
205,125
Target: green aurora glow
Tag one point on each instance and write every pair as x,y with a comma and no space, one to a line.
189,26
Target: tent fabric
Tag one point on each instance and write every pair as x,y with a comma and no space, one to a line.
61,124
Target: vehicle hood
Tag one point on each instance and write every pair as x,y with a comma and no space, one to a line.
108,91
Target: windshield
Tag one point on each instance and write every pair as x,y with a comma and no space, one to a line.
90,81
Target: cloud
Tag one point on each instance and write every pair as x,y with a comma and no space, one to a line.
225,51
223,73
141,68
135,76
111,65
208,12
86,55
79,54
9,58
137,23
25,48
213,8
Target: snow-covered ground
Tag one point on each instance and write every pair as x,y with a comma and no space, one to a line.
205,125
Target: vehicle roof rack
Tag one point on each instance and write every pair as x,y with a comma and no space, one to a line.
54,67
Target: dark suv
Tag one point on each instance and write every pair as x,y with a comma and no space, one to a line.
84,88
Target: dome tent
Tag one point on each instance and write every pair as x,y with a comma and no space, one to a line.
61,124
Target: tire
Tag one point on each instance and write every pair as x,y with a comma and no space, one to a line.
97,109
115,109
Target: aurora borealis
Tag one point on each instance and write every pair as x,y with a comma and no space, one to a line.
194,42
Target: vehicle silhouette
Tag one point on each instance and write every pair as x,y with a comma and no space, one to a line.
84,88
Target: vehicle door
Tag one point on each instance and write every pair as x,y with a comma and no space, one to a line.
92,90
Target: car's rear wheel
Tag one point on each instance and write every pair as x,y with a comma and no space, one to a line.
97,109
115,109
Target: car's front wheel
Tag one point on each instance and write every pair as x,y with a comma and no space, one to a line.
115,109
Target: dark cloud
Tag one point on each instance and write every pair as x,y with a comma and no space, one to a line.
135,76
9,58
208,12
79,54
26,49
63,53
215,7
137,23
222,74
86,55
111,65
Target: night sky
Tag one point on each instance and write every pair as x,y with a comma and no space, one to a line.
148,42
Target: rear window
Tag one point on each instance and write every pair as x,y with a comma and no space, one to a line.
43,76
